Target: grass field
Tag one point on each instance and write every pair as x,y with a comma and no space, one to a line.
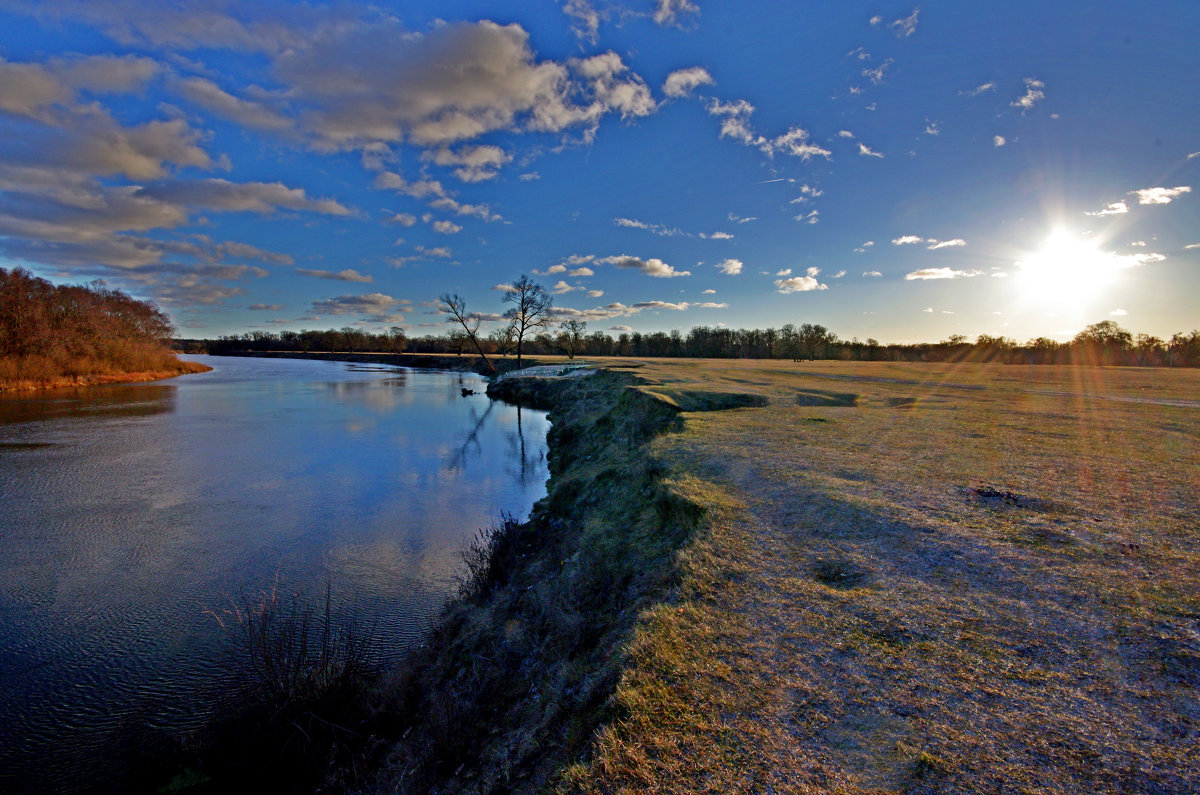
920,578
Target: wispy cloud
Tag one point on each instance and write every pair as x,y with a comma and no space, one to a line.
982,88
866,151
936,244
1033,95
907,240
998,140
872,274
347,275
941,273
735,124
656,229
717,236
907,26
863,248
670,12
1115,208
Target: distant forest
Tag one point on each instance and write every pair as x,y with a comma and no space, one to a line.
1100,343
52,334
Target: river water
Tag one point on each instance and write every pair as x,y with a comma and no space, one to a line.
131,515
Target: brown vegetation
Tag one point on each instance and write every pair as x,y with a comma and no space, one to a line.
80,334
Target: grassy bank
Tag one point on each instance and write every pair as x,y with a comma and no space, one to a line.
512,684
916,578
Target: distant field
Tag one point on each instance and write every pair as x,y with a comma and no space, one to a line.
932,578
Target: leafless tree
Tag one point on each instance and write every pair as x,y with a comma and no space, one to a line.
455,305
570,340
530,310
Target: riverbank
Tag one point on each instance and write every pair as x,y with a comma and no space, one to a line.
428,361
19,380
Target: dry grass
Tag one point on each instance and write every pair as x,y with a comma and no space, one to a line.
954,582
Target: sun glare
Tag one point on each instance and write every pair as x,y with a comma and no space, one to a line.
1068,271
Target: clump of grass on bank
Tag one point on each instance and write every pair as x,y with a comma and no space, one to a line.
294,697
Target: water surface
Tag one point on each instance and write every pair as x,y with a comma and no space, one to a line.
130,515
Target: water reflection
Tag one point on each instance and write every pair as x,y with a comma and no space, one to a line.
129,511
140,400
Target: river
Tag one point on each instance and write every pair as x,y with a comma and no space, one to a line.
131,515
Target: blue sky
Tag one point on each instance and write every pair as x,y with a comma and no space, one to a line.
890,170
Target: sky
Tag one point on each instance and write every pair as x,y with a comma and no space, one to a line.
890,170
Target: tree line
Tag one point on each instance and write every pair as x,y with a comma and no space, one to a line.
50,333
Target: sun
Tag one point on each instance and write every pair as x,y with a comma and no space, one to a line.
1068,271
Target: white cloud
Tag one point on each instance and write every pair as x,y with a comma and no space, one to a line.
620,328
928,309
876,20
1118,312
863,248
1193,156
845,134
941,273
1033,95
735,124
739,220
562,287
656,229
717,236
347,275
530,176
474,163
651,267
223,195
504,288
247,113
906,240
374,304
668,12
957,242
712,305
731,267
979,89
1160,195
1138,243
1191,246
812,217
709,292
585,17
472,210
877,74
446,227
784,272
1115,208
682,82
594,293
403,219
838,275
998,140
931,128
799,284
872,274
582,272
907,26
677,307
865,151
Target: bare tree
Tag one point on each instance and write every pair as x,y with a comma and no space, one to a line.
570,340
531,308
455,305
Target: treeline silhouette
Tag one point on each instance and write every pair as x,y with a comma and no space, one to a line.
1100,343
58,334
